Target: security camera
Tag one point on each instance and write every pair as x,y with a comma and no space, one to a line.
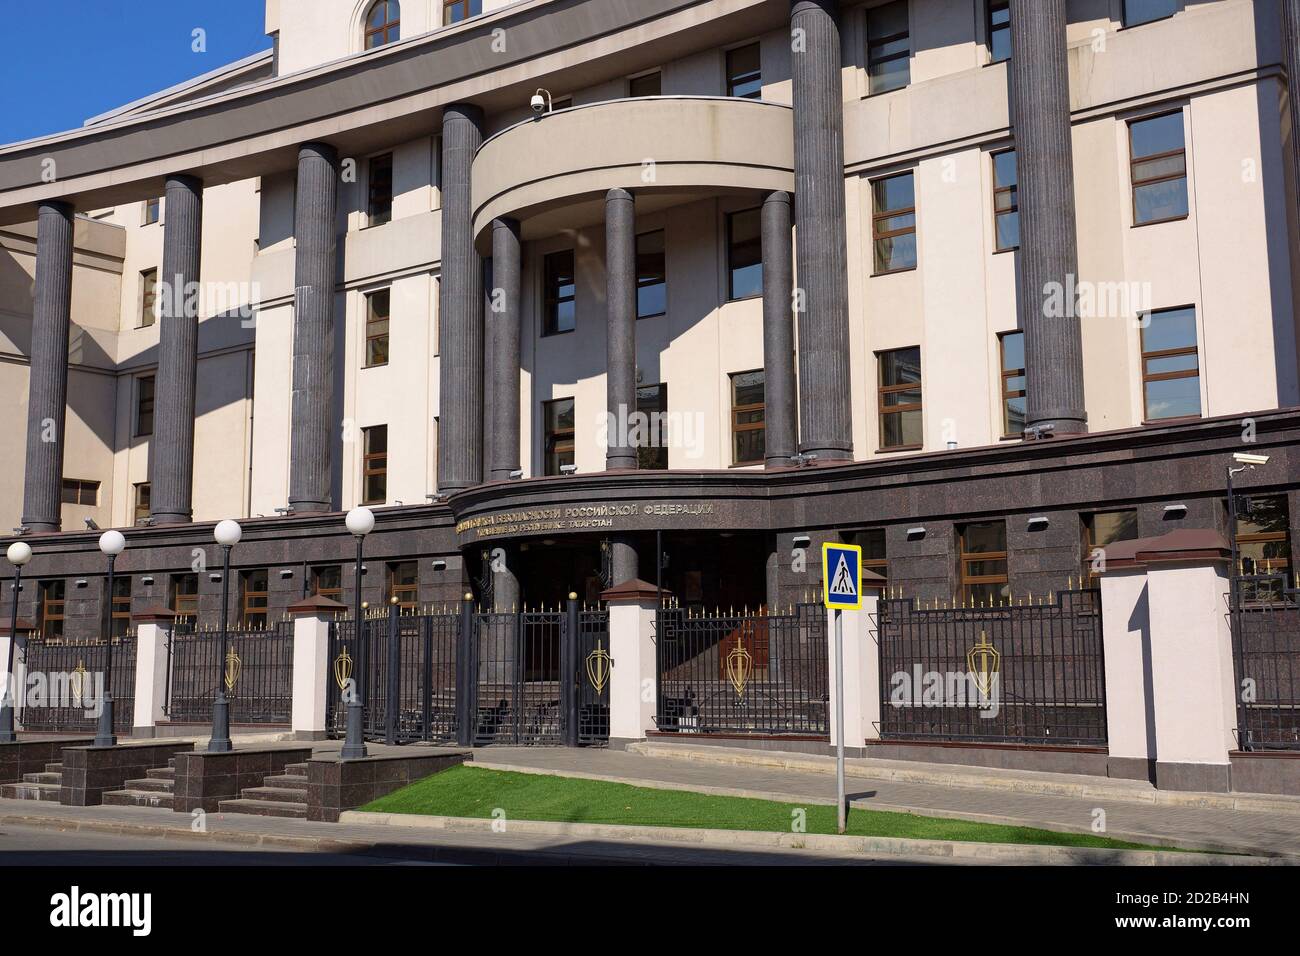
540,102
516,474
90,524
568,469
1242,458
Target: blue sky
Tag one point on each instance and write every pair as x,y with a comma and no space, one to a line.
62,61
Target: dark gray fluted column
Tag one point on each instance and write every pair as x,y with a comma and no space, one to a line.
623,562
489,356
1040,93
460,446
825,408
172,447
311,437
506,592
48,383
1291,57
779,387
620,333
504,333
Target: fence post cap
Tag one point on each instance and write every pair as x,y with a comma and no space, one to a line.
23,627
154,615
316,606
630,592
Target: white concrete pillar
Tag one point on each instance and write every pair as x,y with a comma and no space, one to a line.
20,667
861,674
1126,648
311,664
153,633
1192,682
632,684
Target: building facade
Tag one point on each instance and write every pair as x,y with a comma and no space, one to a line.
575,292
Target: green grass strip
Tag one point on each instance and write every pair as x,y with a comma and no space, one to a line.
474,792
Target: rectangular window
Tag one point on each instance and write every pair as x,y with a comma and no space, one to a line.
748,418
872,543
745,73
148,298
254,598
558,417
1264,534
998,30
900,399
377,305
1137,12
141,501
1171,368
1012,347
893,223
744,254
649,84
121,613
379,210
560,293
454,11
144,406
651,275
184,597
374,466
403,584
78,491
1159,169
1006,201
889,48
152,211
1100,531
652,450
51,609
984,578
327,582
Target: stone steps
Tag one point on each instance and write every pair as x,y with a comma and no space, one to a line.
274,794
54,768
162,773
138,798
296,769
150,784
264,808
47,792
287,781
47,777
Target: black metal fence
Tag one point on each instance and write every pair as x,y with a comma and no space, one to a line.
1022,673
1265,617
761,674
258,674
517,672
594,667
64,683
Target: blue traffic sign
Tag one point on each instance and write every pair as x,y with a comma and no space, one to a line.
842,577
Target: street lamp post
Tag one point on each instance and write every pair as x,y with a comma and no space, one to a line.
227,534
360,521
112,543
19,553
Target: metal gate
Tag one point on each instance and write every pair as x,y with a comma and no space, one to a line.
1023,673
66,695
1265,615
759,674
258,675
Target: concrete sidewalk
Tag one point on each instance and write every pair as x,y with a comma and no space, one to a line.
731,773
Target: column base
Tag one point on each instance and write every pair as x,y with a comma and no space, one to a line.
309,507
824,455
621,463
171,518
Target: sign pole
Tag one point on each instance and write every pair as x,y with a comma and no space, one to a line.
840,803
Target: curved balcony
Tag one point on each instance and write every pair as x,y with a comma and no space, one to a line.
552,172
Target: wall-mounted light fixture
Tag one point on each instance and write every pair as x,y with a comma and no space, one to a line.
440,565
915,533
802,541
1175,512
1038,523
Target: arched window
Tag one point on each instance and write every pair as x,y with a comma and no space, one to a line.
383,23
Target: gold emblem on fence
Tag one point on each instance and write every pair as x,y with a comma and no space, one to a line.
983,661
342,667
233,664
598,666
740,666
77,683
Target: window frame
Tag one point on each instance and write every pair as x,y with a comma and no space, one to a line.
730,217
380,163
964,557
882,390
645,282
78,486
120,606
1124,18
249,610
467,7
1013,208
1272,565
184,603
1134,161
373,320
1089,544
644,453
632,81
142,493
369,469
552,299
990,6
872,60
733,79
1007,374
408,595
148,316
384,29
53,610
1145,357
141,400
737,428
151,211
877,235
557,441
334,593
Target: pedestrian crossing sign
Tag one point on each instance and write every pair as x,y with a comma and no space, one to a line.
842,576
